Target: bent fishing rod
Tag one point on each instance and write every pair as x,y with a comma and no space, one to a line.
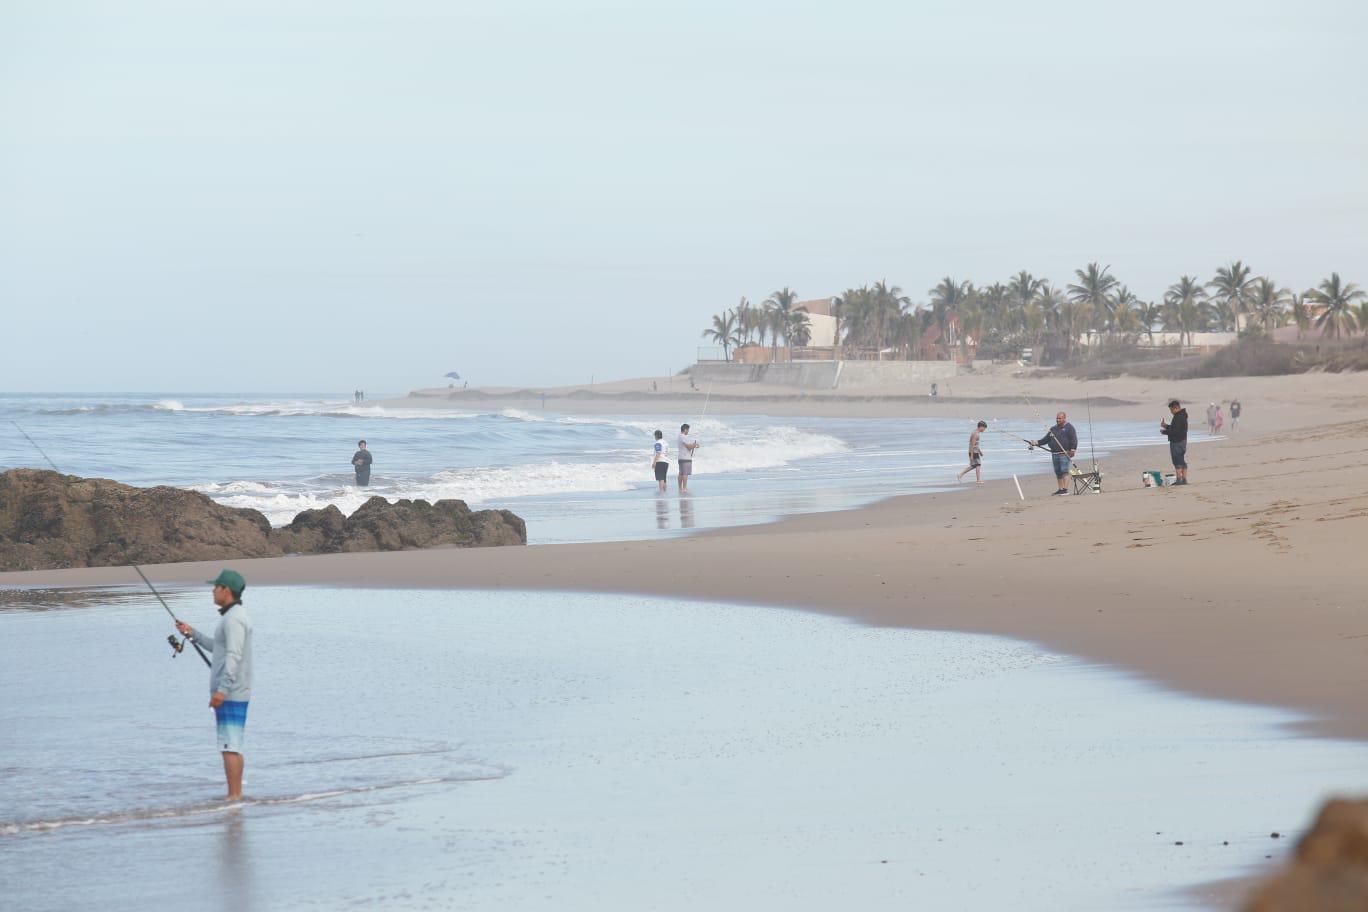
177,646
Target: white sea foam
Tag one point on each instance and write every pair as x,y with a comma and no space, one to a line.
626,469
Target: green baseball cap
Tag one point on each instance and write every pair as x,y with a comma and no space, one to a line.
230,579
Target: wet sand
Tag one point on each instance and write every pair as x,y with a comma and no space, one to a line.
1247,585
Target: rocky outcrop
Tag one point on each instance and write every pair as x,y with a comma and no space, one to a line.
50,521
379,525
1329,872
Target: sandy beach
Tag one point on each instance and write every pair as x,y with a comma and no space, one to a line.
1245,586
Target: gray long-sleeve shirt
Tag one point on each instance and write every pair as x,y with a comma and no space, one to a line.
230,652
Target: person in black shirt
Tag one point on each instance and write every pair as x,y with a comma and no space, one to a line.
1177,435
1062,441
362,461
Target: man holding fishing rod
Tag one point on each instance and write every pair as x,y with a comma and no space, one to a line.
1062,441
230,672
686,446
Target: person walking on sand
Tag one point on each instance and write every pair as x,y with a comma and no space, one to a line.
1176,432
1220,419
660,460
975,455
1062,441
1211,420
686,445
1234,415
230,672
362,463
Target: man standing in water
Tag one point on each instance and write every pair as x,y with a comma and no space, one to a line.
1177,435
1062,442
975,455
660,460
687,445
362,461
230,672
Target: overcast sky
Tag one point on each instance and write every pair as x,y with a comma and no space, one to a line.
312,196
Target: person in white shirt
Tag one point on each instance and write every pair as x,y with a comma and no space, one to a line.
660,460
687,445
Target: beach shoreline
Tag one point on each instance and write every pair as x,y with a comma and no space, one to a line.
1239,587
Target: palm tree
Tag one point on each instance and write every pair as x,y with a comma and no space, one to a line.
1090,297
1050,301
1338,298
1268,303
1301,314
888,305
745,320
798,328
782,300
1125,309
947,300
1233,287
1150,314
1363,317
723,331
1023,288
1185,311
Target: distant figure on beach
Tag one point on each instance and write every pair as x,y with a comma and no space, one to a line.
660,460
362,462
1062,441
1177,435
935,390
686,445
230,672
975,455
1234,415
356,395
1220,419
655,388
1211,419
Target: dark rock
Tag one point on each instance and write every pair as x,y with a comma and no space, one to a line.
50,521
1329,871
379,525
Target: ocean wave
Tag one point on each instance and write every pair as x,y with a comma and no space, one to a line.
625,470
297,409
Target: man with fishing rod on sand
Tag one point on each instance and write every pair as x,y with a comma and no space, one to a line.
230,672
1062,441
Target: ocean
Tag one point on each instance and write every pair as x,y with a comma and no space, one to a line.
571,477
516,750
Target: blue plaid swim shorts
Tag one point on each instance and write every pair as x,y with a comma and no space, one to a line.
232,724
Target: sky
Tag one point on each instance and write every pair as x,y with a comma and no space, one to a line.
323,194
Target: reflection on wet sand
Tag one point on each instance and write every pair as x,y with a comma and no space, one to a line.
16,599
662,513
686,512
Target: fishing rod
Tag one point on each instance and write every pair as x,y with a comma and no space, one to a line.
1049,433
704,413
177,646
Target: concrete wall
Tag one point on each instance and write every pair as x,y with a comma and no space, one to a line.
914,375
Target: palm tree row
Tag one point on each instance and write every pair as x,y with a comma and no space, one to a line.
777,319
1026,311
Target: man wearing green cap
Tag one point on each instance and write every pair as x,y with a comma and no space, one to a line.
230,672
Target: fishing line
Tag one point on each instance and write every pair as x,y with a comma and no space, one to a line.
177,645
1050,433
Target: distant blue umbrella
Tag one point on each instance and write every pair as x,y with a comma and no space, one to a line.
453,375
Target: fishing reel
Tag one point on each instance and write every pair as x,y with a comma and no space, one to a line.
177,646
